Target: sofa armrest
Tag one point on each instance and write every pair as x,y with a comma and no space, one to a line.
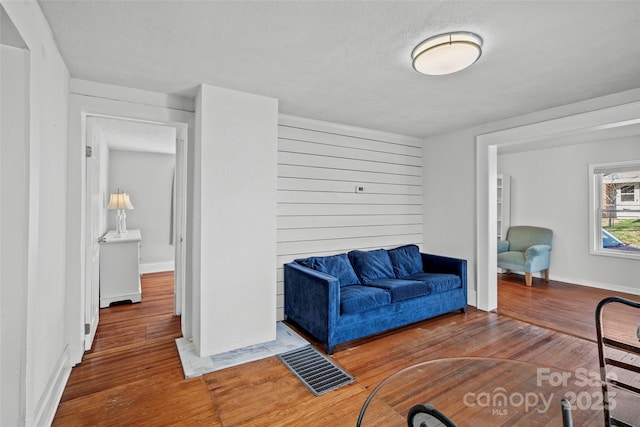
536,250
311,299
441,264
503,246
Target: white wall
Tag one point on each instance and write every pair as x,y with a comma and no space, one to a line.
14,191
234,220
450,165
147,178
319,212
45,361
550,188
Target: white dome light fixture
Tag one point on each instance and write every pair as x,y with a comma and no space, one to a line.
446,53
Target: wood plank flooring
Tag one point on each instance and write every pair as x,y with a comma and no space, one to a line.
554,305
132,376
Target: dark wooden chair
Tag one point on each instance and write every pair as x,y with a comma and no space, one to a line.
618,333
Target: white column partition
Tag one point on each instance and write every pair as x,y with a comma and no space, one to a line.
235,173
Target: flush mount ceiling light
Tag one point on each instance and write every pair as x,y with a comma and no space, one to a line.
446,53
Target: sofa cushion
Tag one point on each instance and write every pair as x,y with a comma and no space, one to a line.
335,265
438,282
357,298
372,265
402,289
406,260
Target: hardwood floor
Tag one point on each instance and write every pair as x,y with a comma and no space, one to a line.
133,376
554,305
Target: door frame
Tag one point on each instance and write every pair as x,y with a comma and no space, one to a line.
87,99
180,200
180,219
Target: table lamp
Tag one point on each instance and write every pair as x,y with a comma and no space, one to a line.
121,202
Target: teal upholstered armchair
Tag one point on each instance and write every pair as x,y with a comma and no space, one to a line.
527,249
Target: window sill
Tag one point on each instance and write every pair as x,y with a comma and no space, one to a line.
616,253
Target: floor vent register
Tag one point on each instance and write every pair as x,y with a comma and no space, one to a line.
315,370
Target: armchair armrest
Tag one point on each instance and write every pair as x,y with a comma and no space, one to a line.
503,246
536,250
311,299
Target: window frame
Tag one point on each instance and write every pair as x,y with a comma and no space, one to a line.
595,203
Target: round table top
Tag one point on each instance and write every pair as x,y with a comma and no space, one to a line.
486,392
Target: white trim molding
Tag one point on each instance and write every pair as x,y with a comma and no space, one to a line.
126,94
47,406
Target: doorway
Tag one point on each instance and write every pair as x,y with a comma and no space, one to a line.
617,120
146,160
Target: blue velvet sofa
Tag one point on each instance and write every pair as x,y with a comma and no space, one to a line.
344,297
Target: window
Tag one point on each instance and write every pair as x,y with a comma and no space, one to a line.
615,209
628,193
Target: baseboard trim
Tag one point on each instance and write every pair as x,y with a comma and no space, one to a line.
157,267
46,408
598,285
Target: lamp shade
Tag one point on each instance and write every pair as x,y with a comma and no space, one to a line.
446,53
119,201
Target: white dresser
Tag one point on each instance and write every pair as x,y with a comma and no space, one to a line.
120,267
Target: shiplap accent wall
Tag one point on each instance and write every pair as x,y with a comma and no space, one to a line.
320,165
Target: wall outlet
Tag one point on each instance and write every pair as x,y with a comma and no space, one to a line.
359,189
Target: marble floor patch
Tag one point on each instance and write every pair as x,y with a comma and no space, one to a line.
194,366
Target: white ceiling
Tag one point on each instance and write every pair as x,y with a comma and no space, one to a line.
348,62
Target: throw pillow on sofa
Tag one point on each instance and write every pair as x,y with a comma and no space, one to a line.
372,265
335,265
406,260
